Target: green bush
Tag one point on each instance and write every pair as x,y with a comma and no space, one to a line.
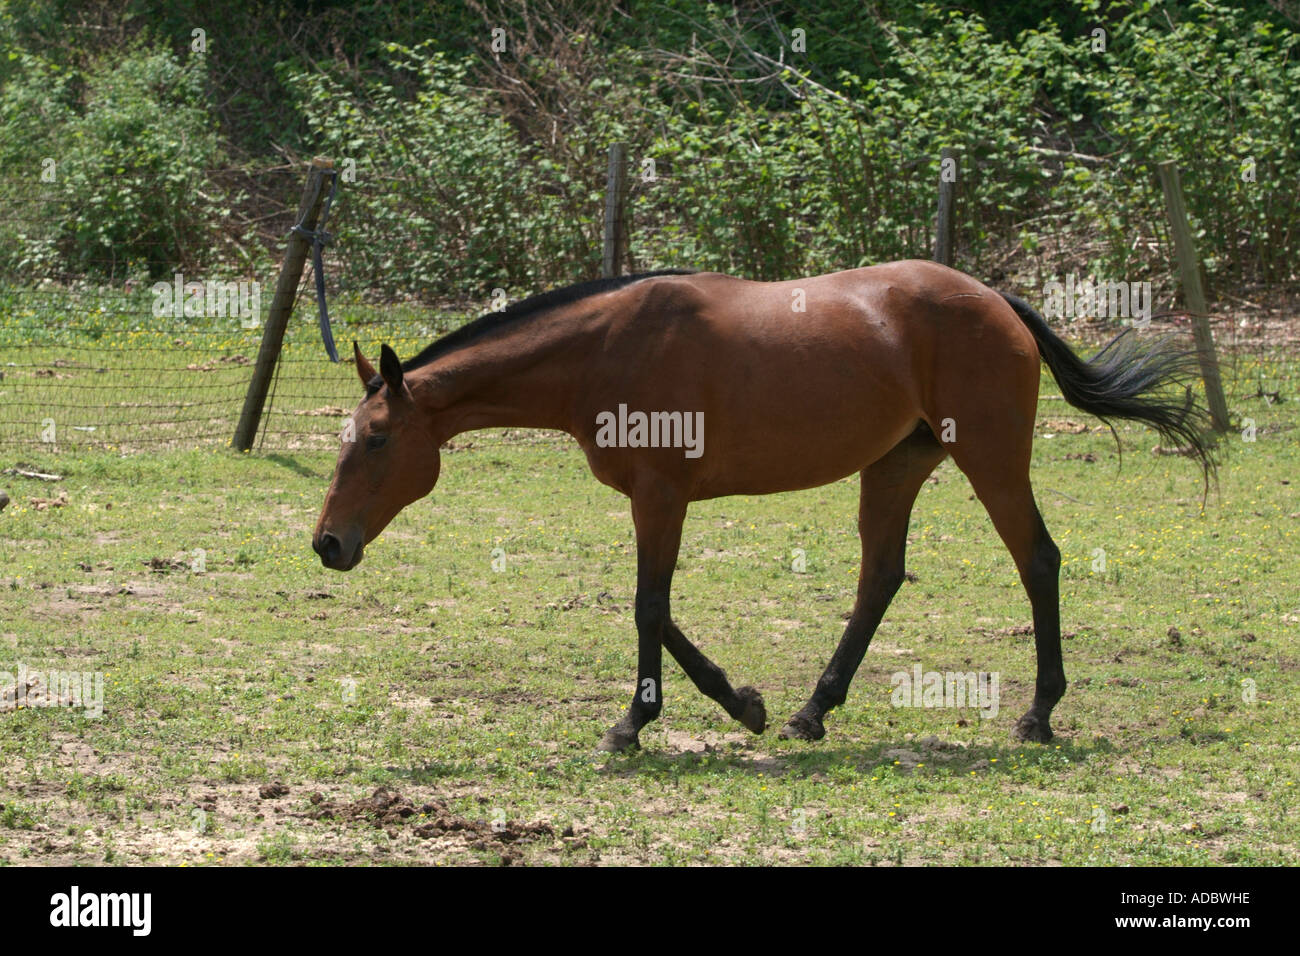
476,174
136,166
850,177
33,103
1215,93
131,193
446,200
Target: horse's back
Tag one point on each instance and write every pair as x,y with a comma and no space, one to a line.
803,381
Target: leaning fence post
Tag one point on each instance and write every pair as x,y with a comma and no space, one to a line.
277,316
1193,292
947,203
615,213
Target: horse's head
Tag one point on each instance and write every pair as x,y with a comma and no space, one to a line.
389,459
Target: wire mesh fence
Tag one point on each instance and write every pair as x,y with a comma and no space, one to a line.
106,358
126,363
97,367
131,364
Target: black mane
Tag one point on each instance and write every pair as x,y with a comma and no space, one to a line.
527,308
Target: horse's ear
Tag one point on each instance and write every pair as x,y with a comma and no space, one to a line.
391,369
365,370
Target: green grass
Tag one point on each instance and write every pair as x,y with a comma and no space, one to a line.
481,693
428,673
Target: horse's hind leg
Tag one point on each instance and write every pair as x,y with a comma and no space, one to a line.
997,463
889,488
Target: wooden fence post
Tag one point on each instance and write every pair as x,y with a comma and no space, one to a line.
615,250
1193,292
947,203
277,316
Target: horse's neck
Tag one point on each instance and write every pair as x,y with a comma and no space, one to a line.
518,379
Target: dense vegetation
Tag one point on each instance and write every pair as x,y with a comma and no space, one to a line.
782,140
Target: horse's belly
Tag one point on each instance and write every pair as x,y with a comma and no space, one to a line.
802,441
793,405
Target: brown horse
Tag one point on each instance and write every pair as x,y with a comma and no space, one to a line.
685,386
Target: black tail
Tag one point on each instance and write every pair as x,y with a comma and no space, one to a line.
1118,380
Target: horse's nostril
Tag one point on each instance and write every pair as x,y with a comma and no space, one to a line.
328,547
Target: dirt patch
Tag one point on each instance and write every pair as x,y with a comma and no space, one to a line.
390,811
1064,426
164,565
1013,630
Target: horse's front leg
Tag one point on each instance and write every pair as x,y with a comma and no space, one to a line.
658,516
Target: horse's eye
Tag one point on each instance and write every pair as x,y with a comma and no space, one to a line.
376,441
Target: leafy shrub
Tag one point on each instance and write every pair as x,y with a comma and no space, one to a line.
1216,94
474,174
131,193
446,199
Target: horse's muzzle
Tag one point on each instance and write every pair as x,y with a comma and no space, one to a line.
334,555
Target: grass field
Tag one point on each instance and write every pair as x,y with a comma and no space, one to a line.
442,702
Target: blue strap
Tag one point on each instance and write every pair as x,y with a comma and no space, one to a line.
318,239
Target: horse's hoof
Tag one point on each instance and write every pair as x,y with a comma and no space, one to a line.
1031,729
754,714
617,740
803,727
